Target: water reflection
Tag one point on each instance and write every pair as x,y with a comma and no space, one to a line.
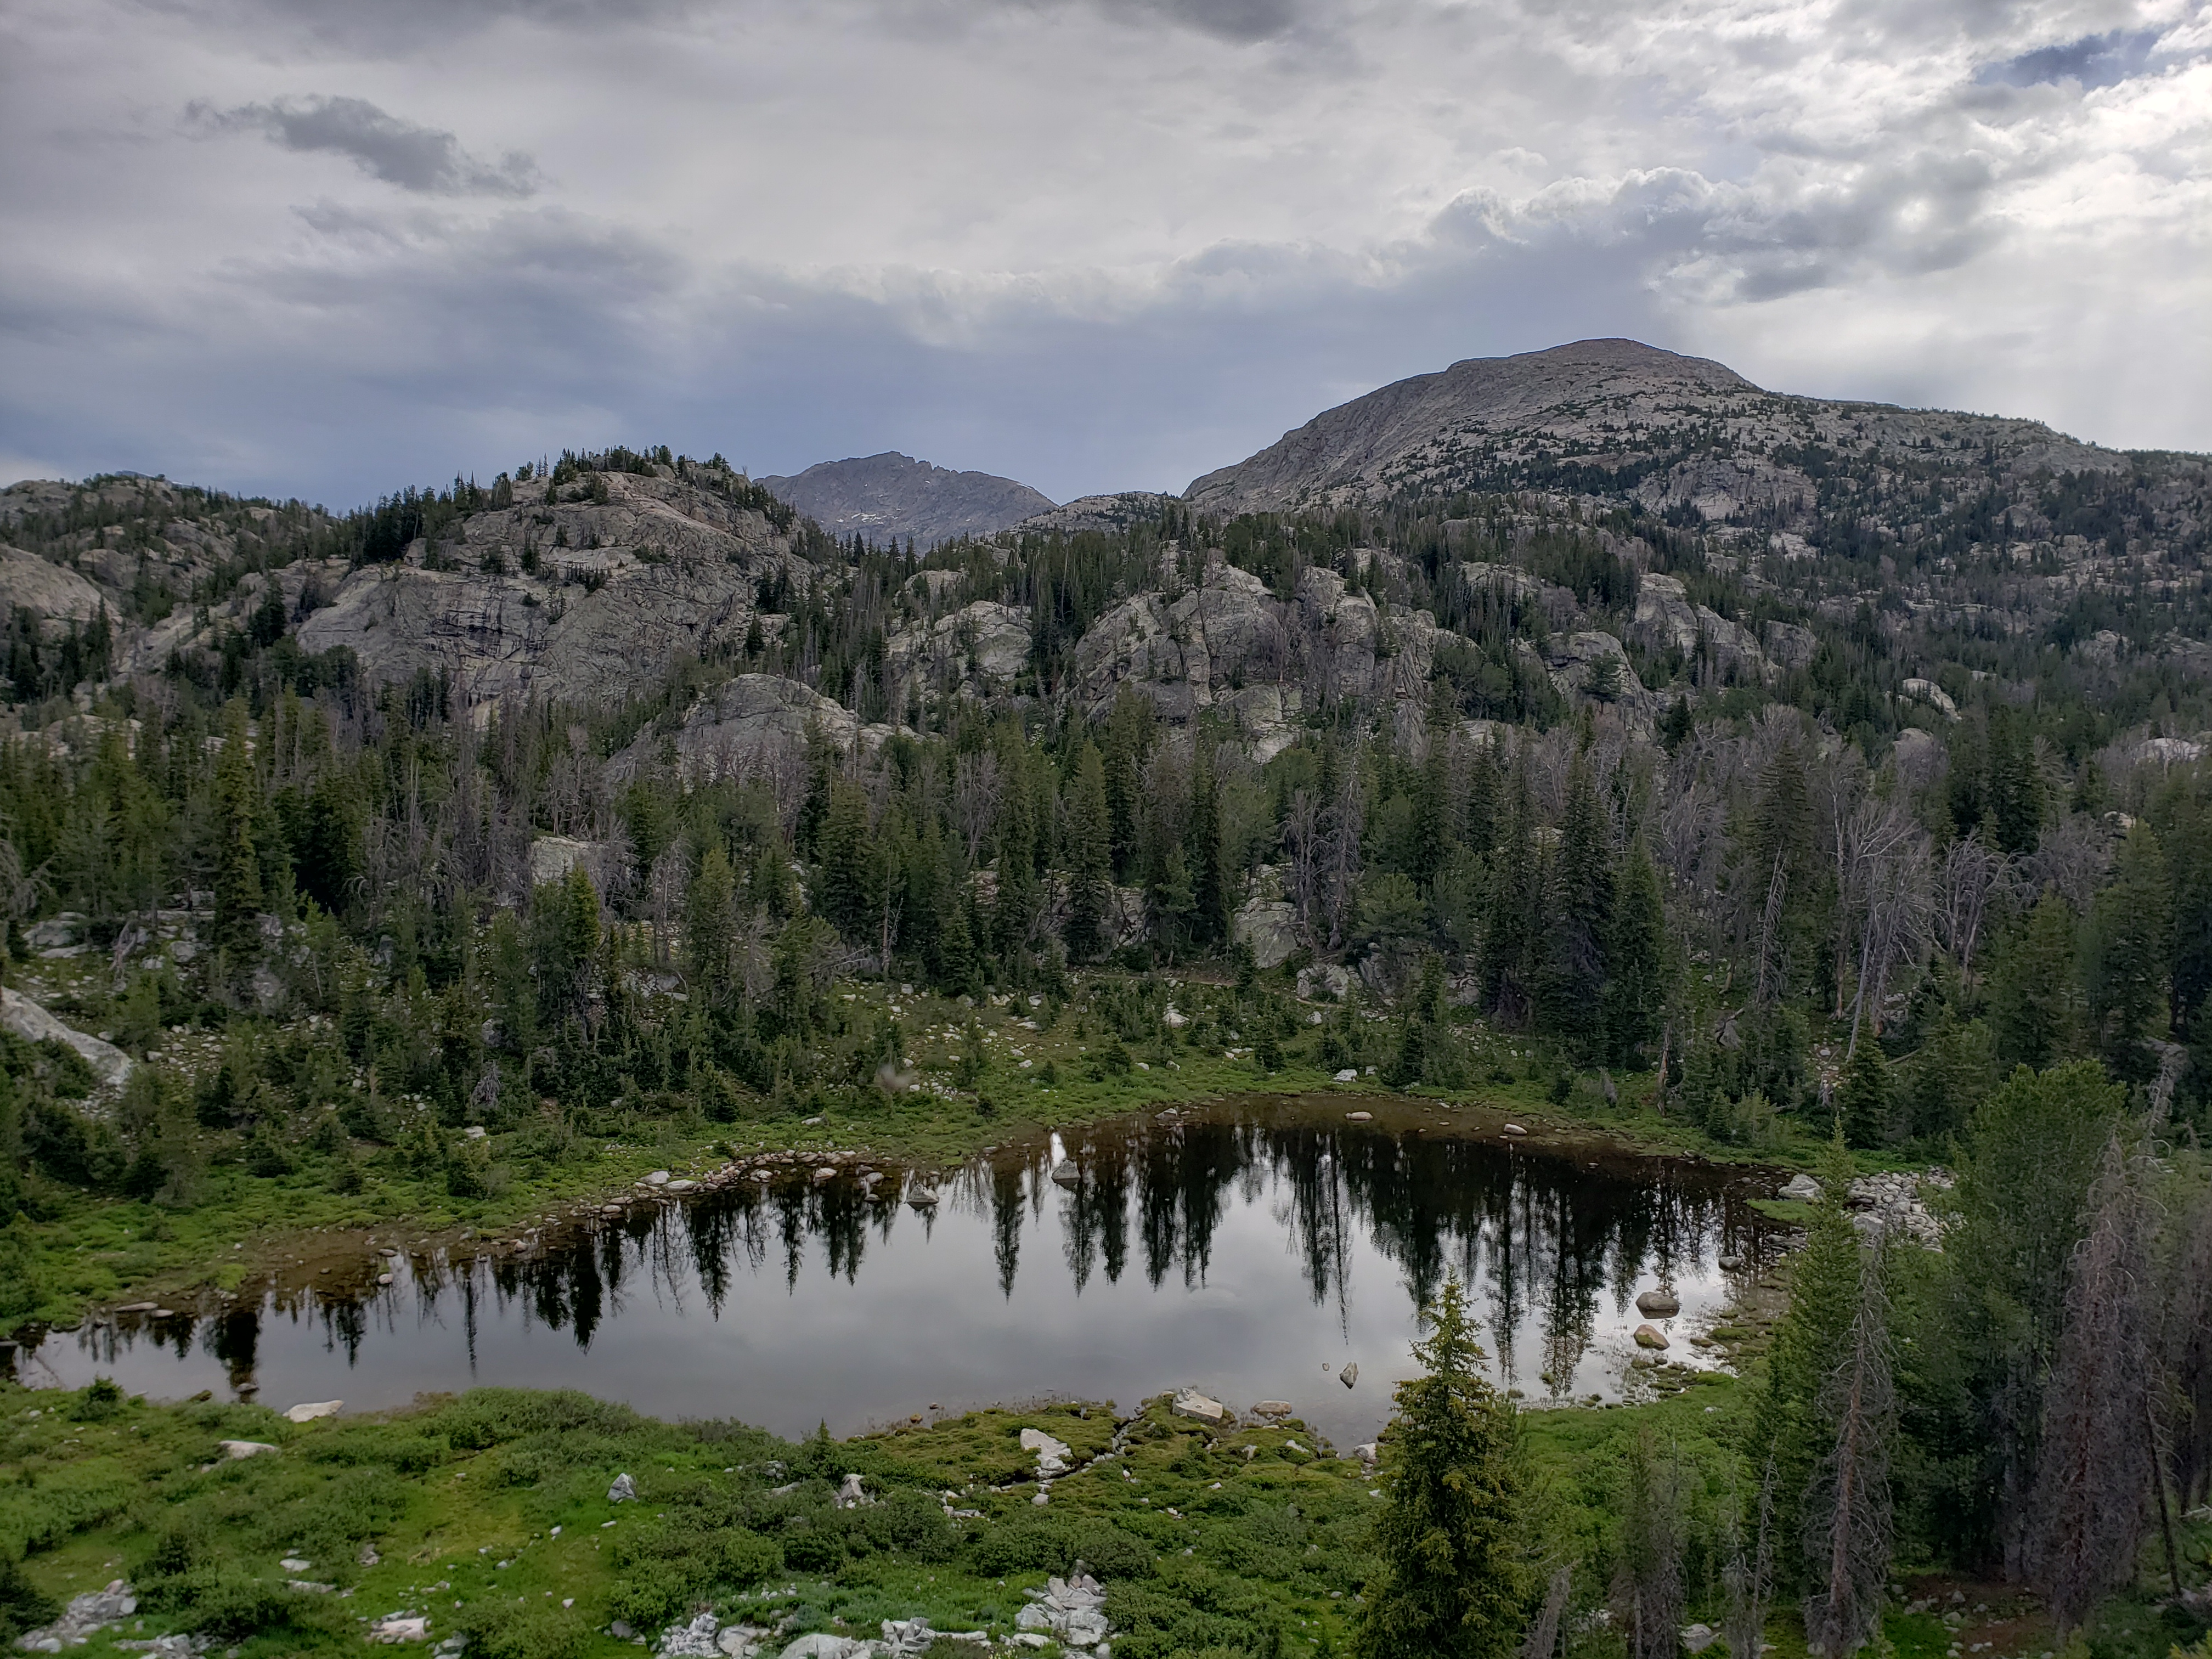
1239,1251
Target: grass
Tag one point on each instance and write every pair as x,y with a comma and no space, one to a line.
489,1513
246,1227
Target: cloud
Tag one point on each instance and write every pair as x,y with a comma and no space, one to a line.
2094,60
425,159
1090,244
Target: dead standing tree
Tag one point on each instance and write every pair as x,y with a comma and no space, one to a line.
1850,1529
2094,1482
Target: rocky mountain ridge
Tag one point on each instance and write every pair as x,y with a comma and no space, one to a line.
892,496
1675,532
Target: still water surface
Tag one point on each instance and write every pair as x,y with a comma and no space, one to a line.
1251,1251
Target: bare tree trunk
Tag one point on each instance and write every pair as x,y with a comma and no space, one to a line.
1542,1641
1748,1577
2092,1504
1849,1530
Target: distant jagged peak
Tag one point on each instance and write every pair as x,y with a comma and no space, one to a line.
894,495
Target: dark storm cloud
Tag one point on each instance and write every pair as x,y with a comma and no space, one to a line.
426,160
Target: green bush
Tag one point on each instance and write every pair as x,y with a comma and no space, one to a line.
22,1605
495,1631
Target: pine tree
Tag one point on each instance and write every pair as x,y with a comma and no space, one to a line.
1090,857
847,899
710,925
1637,960
237,861
1581,917
1451,1578
1209,880
2030,1154
2127,956
2015,793
1647,1585
2095,1477
1850,1527
1865,1102
2034,1014
1792,1425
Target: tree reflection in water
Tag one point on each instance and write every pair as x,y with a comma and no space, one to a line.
1557,1242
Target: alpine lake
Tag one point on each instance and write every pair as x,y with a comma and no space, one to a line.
1262,1247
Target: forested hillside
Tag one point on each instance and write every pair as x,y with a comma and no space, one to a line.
1783,801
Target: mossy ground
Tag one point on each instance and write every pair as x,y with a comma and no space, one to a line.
489,1512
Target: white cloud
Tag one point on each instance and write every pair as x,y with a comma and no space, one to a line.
1089,243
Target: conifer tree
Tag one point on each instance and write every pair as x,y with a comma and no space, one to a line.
1450,1580
1793,1426
1865,1102
1849,1527
237,862
1209,881
1090,857
2128,955
2098,1465
1581,918
710,925
1646,1586
2033,1012
846,844
1638,970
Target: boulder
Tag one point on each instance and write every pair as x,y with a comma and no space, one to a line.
851,1495
1349,1375
1659,1304
1271,1408
1801,1187
27,1020
552,857
1270,928
1190,1402
623,1490
1698,1637
1332,977
308,1410
1650,1336
235,1449
823,1645
1051,1454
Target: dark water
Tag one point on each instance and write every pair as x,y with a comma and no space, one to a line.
1251,1252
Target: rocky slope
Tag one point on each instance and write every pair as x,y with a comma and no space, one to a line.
1643,527
1617,417
887,495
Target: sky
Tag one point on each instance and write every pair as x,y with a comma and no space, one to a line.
323,248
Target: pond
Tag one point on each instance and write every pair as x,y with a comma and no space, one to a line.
1254,1249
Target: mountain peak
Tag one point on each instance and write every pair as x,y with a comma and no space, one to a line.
1599,416
892,494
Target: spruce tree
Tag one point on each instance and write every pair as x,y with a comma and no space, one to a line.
1865,1101
1450,1580
2127,957
2033,1012
1090,857
1209,880
1792,1424
1637,960
1850,1527
710,925
237,861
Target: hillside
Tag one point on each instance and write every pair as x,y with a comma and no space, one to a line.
894,497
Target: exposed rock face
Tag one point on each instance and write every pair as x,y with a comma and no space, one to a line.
32,1023
1132,507
661,567
54,591
748,724
1600,415
977,651
883,496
